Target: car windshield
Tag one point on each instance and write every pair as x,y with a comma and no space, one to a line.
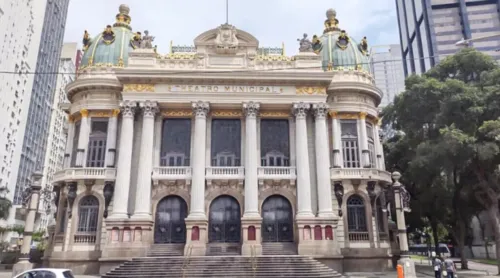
68,274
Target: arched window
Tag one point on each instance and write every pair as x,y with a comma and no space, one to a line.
356,219
96,153
350,148
88,214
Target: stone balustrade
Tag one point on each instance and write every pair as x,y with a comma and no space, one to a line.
225,173
172,173
360,173
71,174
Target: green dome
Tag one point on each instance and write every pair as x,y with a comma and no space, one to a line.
111,47
342,54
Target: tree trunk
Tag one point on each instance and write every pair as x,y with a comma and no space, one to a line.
495,222
434,227
461,245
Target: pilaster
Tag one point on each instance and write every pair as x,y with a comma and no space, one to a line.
111,139
365,153
69,142
83,139
337,140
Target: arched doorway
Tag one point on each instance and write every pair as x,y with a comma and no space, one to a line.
225,220
277,220
169,220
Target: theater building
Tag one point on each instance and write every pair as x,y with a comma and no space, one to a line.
222,148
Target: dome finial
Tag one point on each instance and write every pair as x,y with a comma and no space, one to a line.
331,22
123,18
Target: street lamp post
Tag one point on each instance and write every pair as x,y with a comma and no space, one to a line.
402,204
31,201
466,42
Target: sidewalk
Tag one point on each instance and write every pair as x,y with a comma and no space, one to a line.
9,275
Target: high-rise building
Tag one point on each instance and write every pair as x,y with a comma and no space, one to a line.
21,23
54,156
430,29
36,131
388,71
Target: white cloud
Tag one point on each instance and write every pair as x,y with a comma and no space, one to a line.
270,21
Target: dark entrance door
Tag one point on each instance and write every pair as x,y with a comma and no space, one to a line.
169,221
224,220
277,220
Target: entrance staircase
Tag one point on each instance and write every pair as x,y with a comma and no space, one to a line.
223,249
226,266
166,250
279,248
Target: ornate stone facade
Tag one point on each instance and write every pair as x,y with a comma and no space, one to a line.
203,158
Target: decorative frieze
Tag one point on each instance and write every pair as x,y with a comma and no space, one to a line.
311,91
140,88
274,114
226,114
171,187
277,187
218,187
84,113
177,113
100,114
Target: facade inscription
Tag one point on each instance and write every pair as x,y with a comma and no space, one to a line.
224,89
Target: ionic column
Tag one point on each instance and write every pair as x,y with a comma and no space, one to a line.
143,192
251,109
111,139
337,140
83,139
365,153
122,188
300,111
197,211
322,161
69,142
379,148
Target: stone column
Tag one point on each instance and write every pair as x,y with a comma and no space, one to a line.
337,140
379,147
251,218
365,153
111,139
32,207
251,110
197,210
69,142
122,188
143,193
83,139
196,222
322,162
304,210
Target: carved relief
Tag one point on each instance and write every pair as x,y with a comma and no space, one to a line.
251,109
100,114
171,187
311,91
226,41
128,108
301,109
338,190
218,187
277,186
370,188
139,88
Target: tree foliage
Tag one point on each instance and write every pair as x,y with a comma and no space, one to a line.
449,147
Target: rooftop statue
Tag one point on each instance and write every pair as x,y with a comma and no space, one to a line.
108,36
305,44
136,41
86,40
147,40
331,23
363,46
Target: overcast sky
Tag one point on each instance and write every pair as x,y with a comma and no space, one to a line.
270,21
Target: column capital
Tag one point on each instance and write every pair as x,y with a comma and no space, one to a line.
115,112
333,114
320,110
149,108
362,115
128,108
84,113
300,109
201,108
251,109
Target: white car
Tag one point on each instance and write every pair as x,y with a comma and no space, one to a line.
46,273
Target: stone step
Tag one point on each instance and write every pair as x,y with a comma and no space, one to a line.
166,250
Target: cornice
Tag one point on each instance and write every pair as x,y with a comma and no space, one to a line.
92,84
363,88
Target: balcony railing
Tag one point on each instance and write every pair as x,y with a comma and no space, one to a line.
86,238
227,173
171,173
85,173
359,236
360,173
276,173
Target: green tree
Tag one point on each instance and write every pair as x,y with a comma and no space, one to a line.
5,204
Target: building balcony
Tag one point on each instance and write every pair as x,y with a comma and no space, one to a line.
225,173
74,174
171,173
277,173
360,174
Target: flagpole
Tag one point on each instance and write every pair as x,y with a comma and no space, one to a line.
227,11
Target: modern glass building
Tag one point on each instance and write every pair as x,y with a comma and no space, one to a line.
387,69
42,95
430,29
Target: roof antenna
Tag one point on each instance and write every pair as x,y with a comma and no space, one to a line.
227,11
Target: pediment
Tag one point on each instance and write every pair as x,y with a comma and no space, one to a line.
209,37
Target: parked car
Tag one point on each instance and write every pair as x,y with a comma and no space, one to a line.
46,273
